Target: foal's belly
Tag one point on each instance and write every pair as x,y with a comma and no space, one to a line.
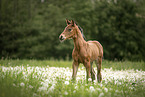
83,57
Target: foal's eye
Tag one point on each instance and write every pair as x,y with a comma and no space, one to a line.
69,30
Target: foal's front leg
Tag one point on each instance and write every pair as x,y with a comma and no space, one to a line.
88,69
75,69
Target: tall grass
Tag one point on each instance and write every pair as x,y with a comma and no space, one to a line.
119,65
52,78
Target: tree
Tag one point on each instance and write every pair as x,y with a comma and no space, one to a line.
30,28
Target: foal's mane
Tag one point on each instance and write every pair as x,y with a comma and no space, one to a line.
82,32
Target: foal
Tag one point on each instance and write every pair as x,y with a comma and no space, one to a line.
83,52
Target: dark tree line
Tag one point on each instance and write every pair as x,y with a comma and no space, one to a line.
30,28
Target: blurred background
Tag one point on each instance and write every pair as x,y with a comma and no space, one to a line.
29,29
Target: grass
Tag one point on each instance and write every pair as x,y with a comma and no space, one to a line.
52,78
40,63
119,65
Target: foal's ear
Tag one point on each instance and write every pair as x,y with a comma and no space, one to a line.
68,22
73,23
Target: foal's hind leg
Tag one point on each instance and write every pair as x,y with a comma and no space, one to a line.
92,72
98,64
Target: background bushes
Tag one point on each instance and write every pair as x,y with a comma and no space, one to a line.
30,28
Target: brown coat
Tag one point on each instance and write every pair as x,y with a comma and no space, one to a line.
83,52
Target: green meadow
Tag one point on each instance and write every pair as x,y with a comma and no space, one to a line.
52,78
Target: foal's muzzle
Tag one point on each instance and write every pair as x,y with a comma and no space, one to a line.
61,38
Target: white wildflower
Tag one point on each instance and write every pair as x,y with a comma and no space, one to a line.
78,78
14,85
76,87
116,91
131,88
101,84
22,84
42,89
89,79
101,95
66,82
74,91
30,86
65,93
92,89
67,78
98,89
106,90
95,81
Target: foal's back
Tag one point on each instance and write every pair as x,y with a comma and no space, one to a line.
96,49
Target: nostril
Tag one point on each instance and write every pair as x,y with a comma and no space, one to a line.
61,37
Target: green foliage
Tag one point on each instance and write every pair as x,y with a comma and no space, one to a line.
30,29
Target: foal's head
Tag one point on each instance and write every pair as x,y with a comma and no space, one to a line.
69,31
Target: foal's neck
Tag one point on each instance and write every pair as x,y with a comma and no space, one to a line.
78,40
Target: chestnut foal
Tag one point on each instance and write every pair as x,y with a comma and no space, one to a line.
83,52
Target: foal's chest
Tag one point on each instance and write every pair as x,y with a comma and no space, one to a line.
79,56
